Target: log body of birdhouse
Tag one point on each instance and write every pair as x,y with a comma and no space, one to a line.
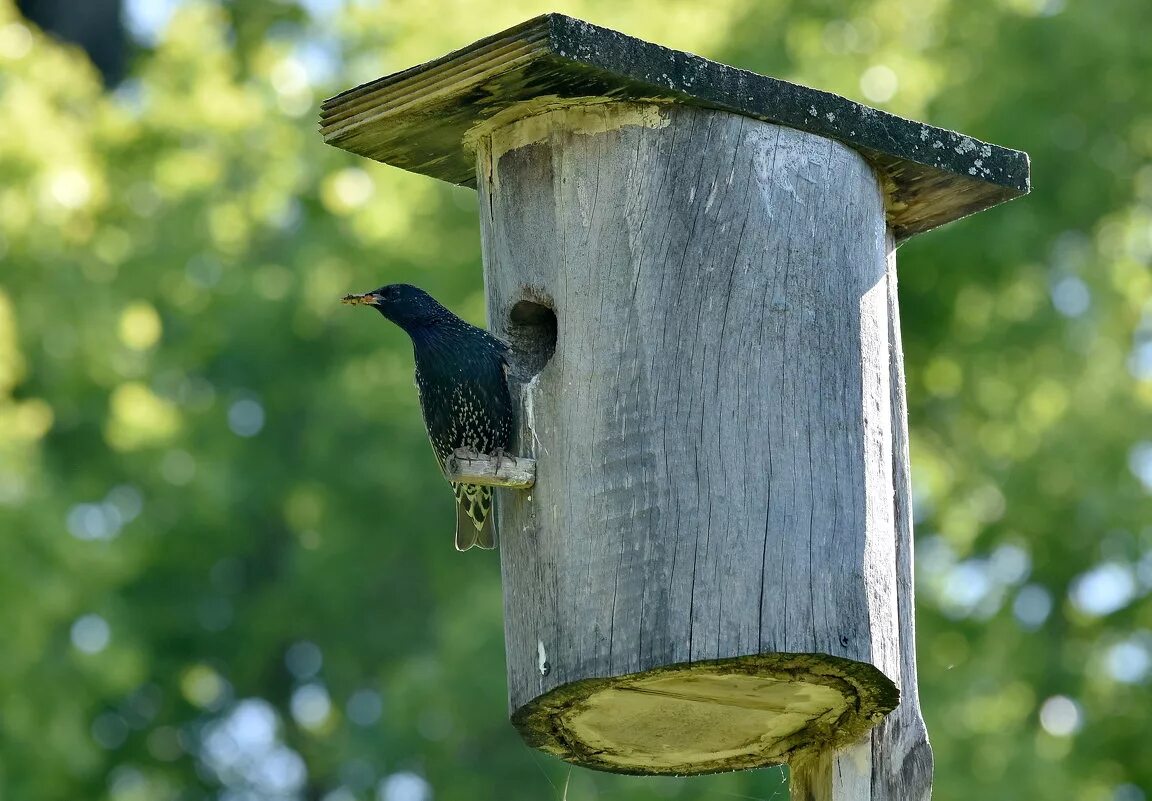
712,533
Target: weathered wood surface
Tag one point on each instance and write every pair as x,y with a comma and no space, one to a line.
419,119
504,470
901,755
896,758
715,430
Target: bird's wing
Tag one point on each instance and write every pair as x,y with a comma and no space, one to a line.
503,346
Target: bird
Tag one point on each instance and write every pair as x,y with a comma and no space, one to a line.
462,381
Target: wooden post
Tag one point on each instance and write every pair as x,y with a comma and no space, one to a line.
695,267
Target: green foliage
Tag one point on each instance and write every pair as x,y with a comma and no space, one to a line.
225,554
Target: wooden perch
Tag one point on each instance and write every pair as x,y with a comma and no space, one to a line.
469,467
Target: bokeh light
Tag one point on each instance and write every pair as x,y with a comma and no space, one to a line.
91,634
1061,716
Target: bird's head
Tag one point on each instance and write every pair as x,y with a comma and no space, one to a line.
409,307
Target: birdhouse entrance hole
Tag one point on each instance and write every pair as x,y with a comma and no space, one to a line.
532,330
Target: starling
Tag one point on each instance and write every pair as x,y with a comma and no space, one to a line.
461,379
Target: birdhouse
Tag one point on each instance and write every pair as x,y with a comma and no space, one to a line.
695,266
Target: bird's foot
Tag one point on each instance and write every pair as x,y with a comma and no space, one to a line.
499,458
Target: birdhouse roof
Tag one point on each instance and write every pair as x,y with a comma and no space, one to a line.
419,119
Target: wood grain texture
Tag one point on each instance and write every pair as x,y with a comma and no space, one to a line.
420,119
715,428
898,752
901,754
709,716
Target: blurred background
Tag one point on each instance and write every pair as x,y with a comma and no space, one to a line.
225,551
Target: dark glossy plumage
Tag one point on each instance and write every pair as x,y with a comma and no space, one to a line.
460,374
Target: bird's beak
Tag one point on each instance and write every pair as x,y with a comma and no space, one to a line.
367,299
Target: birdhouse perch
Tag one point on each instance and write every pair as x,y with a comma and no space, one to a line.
502,470
695,266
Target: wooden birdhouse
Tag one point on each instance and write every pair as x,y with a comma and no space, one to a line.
696,267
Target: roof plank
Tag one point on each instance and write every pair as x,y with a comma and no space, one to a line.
419,119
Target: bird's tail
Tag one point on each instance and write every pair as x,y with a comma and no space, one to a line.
474,518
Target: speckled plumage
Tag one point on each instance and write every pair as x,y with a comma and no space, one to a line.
460,375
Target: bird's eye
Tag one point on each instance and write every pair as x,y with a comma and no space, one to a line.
390,293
